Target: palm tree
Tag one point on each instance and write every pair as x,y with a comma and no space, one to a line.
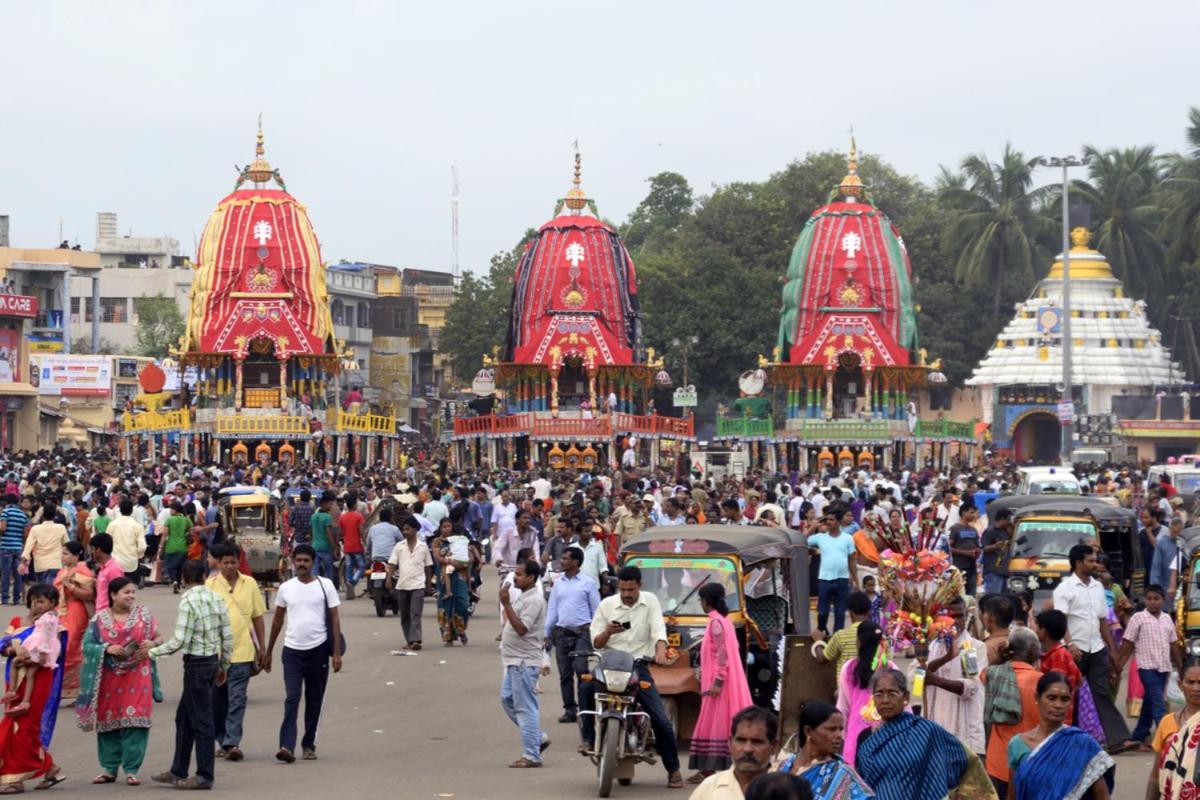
1122,189
1181,198
995,230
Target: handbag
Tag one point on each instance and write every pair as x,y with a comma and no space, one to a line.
329,623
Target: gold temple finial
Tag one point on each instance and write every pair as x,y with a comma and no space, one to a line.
260,171
576,198
1080,237
852,186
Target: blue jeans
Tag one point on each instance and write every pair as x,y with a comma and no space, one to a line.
355,565
835,592
519,701
9,561
1154,707
324,565
229,705
993,583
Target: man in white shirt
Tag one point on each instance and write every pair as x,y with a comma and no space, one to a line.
504,515
541,487
595,560
308,646
1081,597
795,515
411,566
129,540
953,692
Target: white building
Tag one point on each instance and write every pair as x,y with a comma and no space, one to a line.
1117,362
352,294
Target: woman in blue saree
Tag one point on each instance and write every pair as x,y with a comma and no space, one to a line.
1056,761
24,738
911,758
819,761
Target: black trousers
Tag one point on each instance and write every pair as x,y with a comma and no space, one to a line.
307,672
1096,671
650,702
569,640
194,720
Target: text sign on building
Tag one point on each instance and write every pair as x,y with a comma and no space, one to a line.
685,396
18,305
1066,412
74,376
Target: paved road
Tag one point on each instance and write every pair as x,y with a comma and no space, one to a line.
423,726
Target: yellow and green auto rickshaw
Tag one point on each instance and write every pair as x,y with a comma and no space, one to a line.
765,575
1045,528
1187,616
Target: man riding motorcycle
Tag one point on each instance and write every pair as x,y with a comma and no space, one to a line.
632,621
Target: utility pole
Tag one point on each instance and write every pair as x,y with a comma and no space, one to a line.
1066,162
454,224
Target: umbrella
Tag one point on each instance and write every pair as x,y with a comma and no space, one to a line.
405,428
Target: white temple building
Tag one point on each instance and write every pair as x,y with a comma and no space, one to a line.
1120,370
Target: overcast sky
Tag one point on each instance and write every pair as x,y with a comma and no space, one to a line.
143,108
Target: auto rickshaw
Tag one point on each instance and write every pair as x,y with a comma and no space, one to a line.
765,575
1045,528
253,518
1187,617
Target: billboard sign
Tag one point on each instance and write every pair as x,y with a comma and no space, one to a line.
75,376
18,305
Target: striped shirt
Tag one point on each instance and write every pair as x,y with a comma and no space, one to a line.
15,521
202,628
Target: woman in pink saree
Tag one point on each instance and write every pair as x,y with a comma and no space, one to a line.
77,602
723,683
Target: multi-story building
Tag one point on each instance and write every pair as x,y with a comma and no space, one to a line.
400,348
351,288
131,267
35,288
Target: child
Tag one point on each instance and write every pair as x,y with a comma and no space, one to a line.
868,585
40,649
1151,635
1051,628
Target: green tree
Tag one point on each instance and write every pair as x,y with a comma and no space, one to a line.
159,325
1121,189
664,209
1181,198
995,229
83,346
477,320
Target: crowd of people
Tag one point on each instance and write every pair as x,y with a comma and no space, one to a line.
996,707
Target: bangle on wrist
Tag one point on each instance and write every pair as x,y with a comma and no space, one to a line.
820,645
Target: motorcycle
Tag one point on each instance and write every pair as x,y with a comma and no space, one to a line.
623,733
380,590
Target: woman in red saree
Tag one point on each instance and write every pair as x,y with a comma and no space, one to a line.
24,738
76,586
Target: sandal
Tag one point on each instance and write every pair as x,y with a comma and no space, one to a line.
104,777
524,763
675,780
133,780
12,788
697,778
51,780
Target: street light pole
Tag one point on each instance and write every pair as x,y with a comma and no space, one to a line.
1066,163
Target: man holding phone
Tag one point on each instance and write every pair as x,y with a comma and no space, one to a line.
632,621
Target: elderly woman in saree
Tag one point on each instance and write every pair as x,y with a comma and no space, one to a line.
819,761
76,586
911,758
25,737
1056,761
117,688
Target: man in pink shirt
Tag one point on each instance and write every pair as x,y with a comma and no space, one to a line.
1150,637
107,568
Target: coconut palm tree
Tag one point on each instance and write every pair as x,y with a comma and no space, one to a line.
995,230
1181,198
1122,189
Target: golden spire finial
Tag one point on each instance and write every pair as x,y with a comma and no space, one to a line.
259,171
1080,238
851,186
576,198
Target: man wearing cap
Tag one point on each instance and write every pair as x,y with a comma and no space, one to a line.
632,521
